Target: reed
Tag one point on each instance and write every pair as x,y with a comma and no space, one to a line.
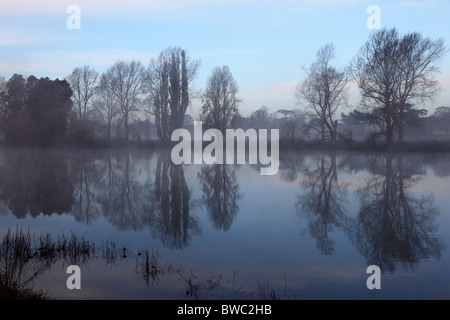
19,267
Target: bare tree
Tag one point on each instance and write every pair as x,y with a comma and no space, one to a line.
106,106
417,65
167,84
375,70
220,100
392,72
157,85
324,90
127,85
83,81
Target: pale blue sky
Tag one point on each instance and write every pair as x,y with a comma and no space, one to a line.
264,43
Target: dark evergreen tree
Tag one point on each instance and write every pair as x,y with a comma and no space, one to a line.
35,111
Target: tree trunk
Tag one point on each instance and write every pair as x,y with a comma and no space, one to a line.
388,134
389,129
126,127
333,137
400,124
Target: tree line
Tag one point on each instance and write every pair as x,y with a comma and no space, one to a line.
393,73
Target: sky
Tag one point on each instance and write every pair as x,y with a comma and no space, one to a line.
265,43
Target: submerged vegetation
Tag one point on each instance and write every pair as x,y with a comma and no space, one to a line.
19,266
24,258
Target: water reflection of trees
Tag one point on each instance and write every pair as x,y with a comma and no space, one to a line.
131,190
440,163
84,177
322,200
291,165
220,189
171,218
32,183
124,197
134,190
130,193
394,225
109,185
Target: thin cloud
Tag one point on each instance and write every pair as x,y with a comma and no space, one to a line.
56,62
27,7
13,37
106,6
99,6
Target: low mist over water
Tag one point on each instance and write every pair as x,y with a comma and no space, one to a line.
140,227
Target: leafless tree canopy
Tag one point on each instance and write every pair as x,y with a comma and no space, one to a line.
83,81
393,72
417,67
126,79
324,90
167,83
220,100
106,106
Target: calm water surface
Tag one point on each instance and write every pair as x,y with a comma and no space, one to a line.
140,227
